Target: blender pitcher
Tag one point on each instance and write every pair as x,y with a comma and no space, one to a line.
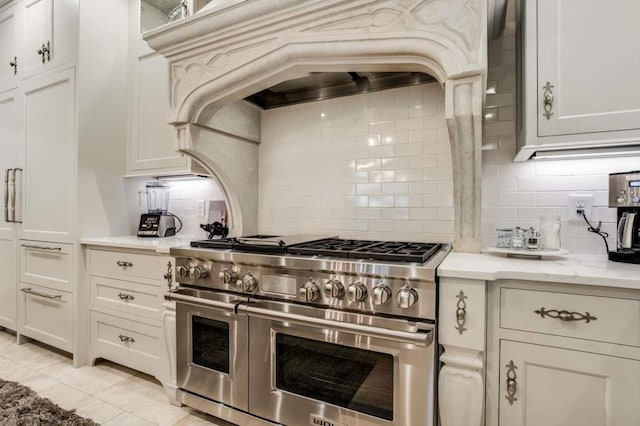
157,197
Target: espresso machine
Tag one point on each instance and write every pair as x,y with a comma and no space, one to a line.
624,195
157,222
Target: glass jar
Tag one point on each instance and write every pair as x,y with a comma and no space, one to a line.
503,237
533,239
518,238
550,231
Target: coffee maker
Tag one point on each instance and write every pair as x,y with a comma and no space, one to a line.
158,222
624,195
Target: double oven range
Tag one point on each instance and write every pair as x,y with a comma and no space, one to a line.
308,330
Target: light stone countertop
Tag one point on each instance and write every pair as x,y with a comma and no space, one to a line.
158,245
572,269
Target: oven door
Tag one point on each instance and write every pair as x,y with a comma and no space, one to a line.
312,366
211,346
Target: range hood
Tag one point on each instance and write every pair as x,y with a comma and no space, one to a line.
237,48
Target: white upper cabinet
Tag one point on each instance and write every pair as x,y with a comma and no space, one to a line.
580,74
9,48
50,34
49,158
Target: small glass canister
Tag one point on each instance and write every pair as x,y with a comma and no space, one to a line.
504,236
533,239
550,231
518,238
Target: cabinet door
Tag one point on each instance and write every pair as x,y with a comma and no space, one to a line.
35,35
49,158
9,146
588,51
52,24
152,145
561,387
9,49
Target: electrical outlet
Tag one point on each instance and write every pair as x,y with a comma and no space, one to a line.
583,202
200,207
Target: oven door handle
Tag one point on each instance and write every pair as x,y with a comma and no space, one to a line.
422,338
177,297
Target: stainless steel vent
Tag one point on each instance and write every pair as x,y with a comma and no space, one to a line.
327,85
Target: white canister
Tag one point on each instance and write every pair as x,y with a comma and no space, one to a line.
550,231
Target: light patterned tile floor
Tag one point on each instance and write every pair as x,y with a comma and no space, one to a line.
108,393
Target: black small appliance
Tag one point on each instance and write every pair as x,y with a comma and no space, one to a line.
624,195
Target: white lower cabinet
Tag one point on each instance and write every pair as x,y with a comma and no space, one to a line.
8,283
46,315
542,385
562,355
127,293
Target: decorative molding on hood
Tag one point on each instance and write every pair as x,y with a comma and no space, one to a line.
237,48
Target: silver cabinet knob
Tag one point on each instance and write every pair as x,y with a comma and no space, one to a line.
228,276
381,294
333,289
198,272
407,297
357,292
309,292
247,283
182,271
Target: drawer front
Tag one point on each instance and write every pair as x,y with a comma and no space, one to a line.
46,315
616,320
47,264
125,296
126,265
131,343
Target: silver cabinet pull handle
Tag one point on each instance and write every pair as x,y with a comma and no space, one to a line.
124,263
169,275
125,296
13,194
565,315
14,65
6,195
461,312
512,385
41,294
39,247
125,339
547,100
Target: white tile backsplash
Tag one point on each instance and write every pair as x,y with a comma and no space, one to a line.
518,193
377,162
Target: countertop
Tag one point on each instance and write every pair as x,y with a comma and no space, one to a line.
572,269
158,245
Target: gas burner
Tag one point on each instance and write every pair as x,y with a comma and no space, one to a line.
391,251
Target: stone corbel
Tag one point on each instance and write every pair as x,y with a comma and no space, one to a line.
460,387
463,113
169,357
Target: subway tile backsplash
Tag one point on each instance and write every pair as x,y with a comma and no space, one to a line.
375,165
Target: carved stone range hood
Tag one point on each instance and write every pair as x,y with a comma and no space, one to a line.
239,47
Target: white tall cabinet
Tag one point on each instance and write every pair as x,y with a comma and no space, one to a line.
10,131
10,47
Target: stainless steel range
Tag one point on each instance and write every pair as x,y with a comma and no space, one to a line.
308,330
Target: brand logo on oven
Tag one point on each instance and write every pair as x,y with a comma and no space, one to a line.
319,421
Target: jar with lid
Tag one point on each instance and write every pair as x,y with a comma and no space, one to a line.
550,231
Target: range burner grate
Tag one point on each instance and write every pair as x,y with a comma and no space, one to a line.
368,250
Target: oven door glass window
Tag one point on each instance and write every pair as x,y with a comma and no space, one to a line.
348,377
210,341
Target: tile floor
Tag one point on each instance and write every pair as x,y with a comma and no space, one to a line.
108,393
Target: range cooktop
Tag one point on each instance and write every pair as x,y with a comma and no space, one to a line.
315,245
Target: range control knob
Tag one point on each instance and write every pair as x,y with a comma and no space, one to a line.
381,294
228,276
407,297
247,283
309,292
333,289
357,292
198,272
182,271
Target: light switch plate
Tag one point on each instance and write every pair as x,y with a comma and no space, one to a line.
582,201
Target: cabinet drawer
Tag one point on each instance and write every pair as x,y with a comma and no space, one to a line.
46,264
126,265
125,296
616,320
131,343
46,315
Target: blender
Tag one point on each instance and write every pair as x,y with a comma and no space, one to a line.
158,222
